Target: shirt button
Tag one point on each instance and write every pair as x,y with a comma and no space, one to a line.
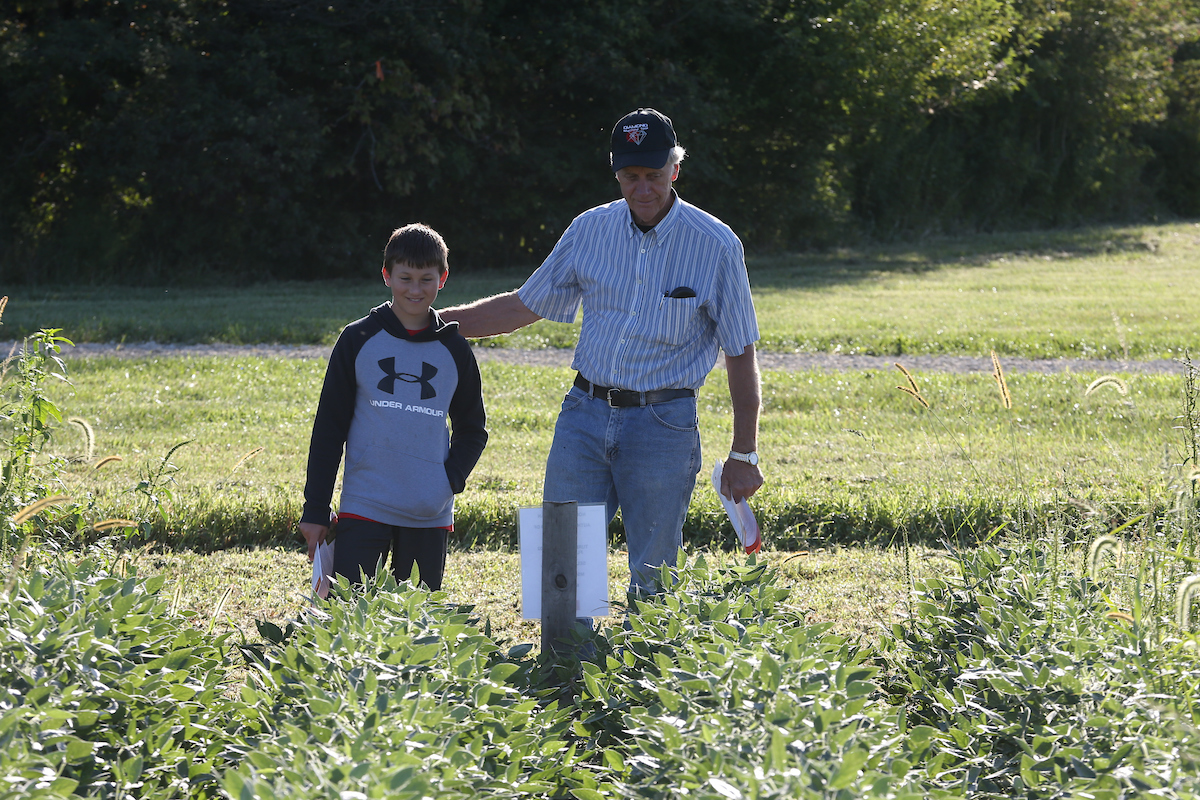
643,249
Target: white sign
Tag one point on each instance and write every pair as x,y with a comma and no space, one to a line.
591,587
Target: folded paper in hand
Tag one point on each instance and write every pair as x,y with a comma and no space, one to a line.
744,523
323,569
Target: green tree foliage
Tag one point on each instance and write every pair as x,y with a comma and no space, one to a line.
1176,142
217,136
167,140
1069,145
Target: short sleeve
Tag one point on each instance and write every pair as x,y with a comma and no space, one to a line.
737,323
553,291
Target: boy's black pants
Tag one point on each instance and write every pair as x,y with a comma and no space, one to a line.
361,543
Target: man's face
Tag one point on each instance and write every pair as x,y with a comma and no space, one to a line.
648,191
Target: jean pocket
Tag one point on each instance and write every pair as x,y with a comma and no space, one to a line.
676,415
572,399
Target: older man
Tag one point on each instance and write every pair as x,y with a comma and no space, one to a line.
664,288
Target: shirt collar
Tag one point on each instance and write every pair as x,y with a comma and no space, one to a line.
664,225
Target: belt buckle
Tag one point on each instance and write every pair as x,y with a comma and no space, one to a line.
609,397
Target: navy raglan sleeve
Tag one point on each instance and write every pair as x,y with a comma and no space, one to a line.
468,434
330,427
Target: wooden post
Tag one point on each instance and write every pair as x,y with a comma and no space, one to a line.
560,531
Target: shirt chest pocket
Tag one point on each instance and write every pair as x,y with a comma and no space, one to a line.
677,322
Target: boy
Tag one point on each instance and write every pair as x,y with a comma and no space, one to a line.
394,378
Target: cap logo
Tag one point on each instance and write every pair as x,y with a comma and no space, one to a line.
635,133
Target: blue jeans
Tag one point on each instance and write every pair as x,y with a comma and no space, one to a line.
643,460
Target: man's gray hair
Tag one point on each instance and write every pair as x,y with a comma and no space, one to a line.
677,155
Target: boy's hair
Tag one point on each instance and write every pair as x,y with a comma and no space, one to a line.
417,246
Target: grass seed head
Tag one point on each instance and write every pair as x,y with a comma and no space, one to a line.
912,386
246,458
998,374
8,360
1107,380
111,524
89,435
106,460
909,376
1189,587
1102,545
917,395
36,508
1082,505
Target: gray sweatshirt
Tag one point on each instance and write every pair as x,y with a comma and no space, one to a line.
386,400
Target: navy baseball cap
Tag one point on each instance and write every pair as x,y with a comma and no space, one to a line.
643,138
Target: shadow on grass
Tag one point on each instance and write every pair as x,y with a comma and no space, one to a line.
848,265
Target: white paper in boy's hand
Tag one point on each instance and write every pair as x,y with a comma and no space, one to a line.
744,523
323,569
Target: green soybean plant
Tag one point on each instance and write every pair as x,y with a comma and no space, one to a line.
107,691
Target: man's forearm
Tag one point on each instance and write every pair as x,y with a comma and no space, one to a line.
739,479
745,394
502,313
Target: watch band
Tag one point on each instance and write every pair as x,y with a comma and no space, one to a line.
750,458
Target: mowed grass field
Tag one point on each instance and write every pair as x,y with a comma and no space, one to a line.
848,458
1125,292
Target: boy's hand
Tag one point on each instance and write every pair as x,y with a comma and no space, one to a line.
313,535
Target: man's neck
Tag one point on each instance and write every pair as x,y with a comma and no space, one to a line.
647,228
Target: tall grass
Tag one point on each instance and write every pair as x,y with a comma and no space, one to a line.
1143,563
847,458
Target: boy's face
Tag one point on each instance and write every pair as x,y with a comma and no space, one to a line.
413,291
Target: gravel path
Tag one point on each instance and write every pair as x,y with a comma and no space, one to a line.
562,358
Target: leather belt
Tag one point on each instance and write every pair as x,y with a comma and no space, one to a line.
625,398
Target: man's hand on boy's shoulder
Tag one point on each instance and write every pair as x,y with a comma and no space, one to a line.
313,535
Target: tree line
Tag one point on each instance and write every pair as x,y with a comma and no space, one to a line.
173,140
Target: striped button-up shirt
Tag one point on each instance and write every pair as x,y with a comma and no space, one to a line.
634,336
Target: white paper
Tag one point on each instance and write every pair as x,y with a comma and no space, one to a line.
591,587
744,523
323,569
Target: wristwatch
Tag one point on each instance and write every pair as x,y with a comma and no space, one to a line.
750,458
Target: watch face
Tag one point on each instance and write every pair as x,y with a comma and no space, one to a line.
753,459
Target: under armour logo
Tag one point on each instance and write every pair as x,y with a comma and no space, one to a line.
390,376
